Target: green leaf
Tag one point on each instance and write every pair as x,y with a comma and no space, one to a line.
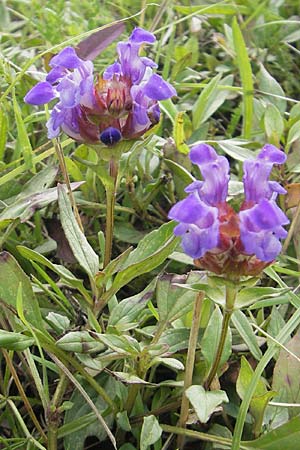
269,85
62,271
236,151
245,70
293,135
205,402
176,339
60,323
274,124
11,276
172,363
286,375
204,101
23,136
284,437
172,300
123,421
151,432
79,342
77,428
219,9
3,133
151,251
248,296
244,328
25,205
81,249
180,171
211,338
14,341
260,398
120,344
129,309
216,98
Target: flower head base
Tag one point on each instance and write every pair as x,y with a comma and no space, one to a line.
218,238
124,99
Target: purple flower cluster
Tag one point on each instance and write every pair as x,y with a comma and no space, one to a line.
121,104
211,229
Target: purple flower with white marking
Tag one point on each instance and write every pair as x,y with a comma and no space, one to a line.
218,238
121,104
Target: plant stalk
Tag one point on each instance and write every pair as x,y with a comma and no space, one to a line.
64,170
190,361
54,414
110,206
230,299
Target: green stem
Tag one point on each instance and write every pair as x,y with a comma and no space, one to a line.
230,299
54,414
110,206
64,170
206,437
190,361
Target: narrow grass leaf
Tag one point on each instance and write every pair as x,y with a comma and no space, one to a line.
245,70
23,136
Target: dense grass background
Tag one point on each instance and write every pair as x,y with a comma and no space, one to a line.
235,66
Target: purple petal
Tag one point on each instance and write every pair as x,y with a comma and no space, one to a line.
66,58
261,228
149,62
215,172
141,36
158,89
40,94
56,74
256,175
272,154
68,92
199,225
189,210
110,71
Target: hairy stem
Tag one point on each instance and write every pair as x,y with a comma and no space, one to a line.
230,299
110,206
190,361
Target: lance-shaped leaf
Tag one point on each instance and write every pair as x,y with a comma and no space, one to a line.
11,277
25,206
172,300
81,249
151,251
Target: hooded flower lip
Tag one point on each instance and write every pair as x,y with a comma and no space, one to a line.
125,99
256,175
215,171
199,225
218,238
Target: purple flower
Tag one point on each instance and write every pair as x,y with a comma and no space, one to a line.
199,225
256,175
261,220
124,100
198,213
215,172
261,228
71,81
216,236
